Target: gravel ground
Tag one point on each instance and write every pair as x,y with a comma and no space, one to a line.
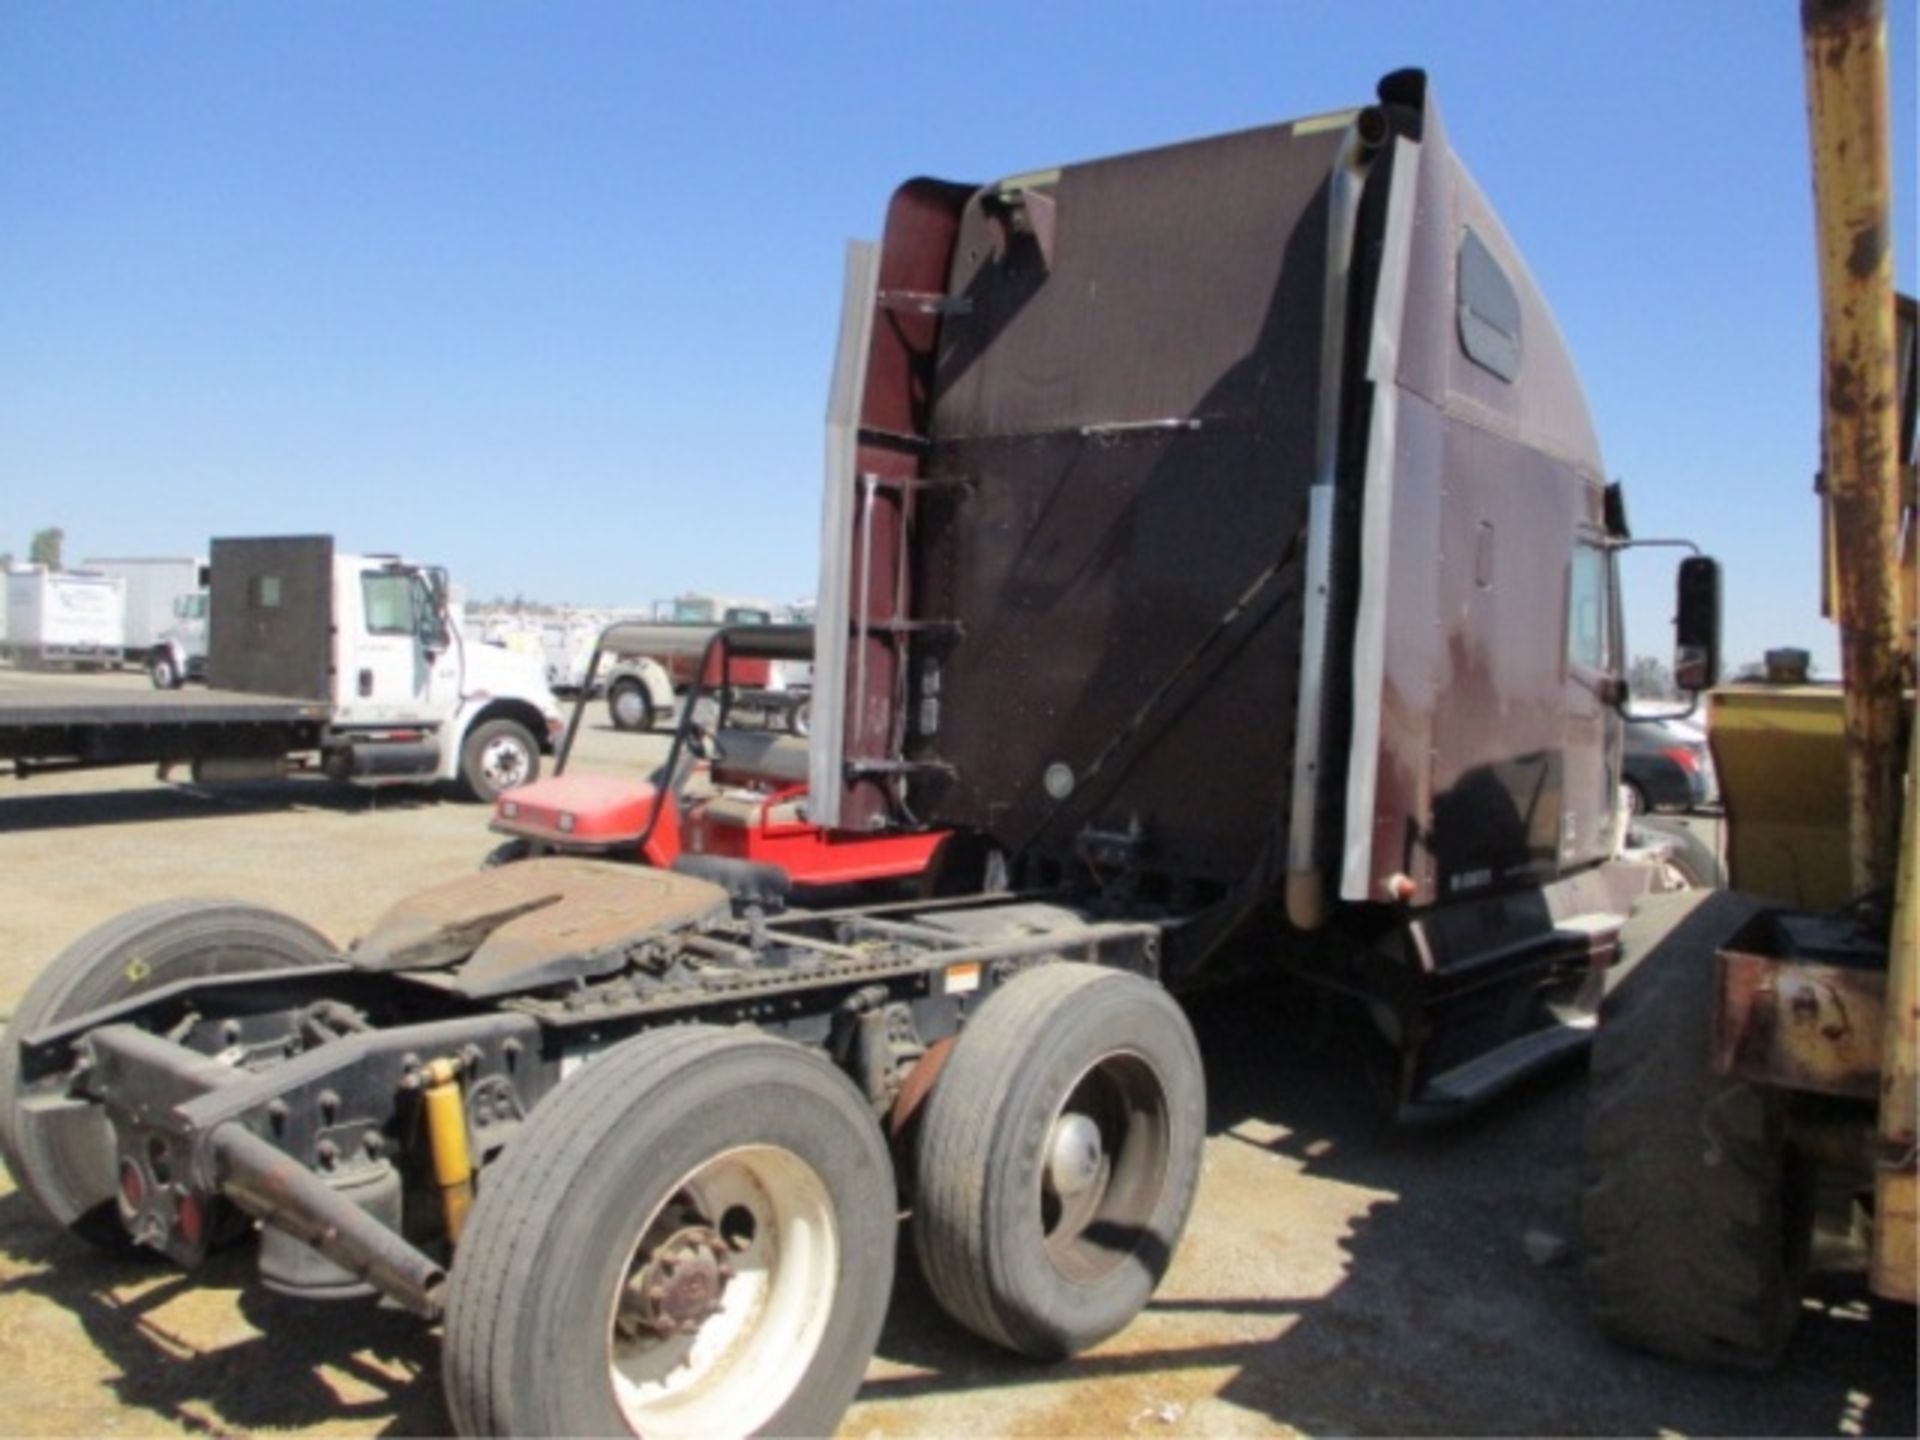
1339,1276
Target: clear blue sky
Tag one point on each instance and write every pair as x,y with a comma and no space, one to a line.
548,292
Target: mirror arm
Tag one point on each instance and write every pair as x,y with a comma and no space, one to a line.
1687,545
1687,713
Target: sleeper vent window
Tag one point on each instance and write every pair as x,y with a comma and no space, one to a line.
1489,311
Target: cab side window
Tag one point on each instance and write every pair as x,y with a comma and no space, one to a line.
1590,609
389,603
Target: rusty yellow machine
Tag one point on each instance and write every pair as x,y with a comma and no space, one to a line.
1758,1047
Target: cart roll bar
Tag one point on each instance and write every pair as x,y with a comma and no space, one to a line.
639,637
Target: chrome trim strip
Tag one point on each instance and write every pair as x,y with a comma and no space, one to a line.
1303,847
1376,526
832,620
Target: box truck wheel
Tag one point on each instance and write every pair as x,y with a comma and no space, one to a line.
164,670
629,705
800,718
1058,1157
497,756
694,1236
61,1152
1696,1213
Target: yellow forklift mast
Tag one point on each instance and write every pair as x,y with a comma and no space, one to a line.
1818,778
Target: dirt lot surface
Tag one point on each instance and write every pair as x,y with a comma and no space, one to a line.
1339,1276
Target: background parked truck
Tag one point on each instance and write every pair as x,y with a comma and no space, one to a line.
642,683
180,653
65,617
155,585
349,663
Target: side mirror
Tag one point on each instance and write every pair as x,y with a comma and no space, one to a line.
1696,655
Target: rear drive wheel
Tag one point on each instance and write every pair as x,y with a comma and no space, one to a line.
1697,1214
694,1237
629,706
164,671
1058,1158
59,1151
496,757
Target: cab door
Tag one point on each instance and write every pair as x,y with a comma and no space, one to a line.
1594,680
388,676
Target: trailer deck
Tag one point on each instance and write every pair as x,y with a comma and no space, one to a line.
78,725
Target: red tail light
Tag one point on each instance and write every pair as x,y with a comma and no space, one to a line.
191,1217
1683,757
133,1187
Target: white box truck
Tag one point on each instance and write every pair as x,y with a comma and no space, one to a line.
64,617
154,584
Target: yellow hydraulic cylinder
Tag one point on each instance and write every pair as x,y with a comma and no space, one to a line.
447,1139
1896,1257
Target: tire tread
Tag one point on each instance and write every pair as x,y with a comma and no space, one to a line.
1690,1201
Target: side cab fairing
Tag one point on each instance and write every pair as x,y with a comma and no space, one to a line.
1481,759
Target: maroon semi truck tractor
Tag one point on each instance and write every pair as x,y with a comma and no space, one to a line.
1215,540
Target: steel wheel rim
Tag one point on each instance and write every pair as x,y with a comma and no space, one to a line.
732,1374
504,762
1091,1231
627,708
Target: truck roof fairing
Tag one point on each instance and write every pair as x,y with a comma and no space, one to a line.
1214,496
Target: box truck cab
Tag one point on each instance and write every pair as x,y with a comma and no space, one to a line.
179,654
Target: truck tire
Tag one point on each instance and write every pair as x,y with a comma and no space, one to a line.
1691,859
1696,1213
164,670
632,1192
62,1157
800,718
507,852
1058,1157
629,706
496,756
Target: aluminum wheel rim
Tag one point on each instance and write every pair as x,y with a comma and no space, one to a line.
735,1372
504,762
1090,1232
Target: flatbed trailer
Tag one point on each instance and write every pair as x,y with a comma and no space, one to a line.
75,727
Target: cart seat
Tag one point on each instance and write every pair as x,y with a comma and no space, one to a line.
763,756
747,810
